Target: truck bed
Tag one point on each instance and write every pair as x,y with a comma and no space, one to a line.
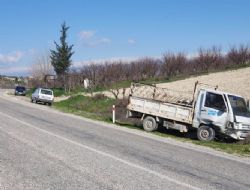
161,109
153,92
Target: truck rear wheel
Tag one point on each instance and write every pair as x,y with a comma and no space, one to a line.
205,133
149,124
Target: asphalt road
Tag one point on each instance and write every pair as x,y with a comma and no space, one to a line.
41,148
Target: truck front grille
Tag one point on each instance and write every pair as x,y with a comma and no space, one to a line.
246,127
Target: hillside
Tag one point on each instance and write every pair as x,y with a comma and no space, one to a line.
235,81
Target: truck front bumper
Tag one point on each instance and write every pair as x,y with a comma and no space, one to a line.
239,134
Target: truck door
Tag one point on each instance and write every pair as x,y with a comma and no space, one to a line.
214,110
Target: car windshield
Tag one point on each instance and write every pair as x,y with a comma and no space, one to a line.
239,106
20,88
47,92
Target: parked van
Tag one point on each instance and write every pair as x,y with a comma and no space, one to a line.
43,95
20,90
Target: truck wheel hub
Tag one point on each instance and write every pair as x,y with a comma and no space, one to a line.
204,133
149,124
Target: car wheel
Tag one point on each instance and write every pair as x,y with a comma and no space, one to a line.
205,133
149,124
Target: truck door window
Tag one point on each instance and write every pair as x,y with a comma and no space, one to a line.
215,101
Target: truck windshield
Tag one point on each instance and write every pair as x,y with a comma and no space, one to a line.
238,105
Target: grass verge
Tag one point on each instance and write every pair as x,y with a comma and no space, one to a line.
226,145
99,107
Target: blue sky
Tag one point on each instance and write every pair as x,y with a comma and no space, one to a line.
117,29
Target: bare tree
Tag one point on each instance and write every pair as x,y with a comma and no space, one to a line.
110,74
173,64
148,67
209,58
74,80
91,72
135,71
41,67
239,56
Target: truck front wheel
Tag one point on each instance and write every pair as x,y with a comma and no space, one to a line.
205,133
149,124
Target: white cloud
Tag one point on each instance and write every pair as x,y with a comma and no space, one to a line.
11,57
90,39
104,41
96,42
131,41
14,70
86,34
32,51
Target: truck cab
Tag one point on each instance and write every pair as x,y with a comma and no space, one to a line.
217,111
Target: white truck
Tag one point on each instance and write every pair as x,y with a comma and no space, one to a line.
208,110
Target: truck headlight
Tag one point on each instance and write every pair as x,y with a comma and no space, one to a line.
237,126
230,125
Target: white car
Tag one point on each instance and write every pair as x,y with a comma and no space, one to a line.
43,95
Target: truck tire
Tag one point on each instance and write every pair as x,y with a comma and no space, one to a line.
149,124
205,133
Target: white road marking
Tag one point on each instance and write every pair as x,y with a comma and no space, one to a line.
106,154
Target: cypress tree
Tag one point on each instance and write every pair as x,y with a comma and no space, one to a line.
61,56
